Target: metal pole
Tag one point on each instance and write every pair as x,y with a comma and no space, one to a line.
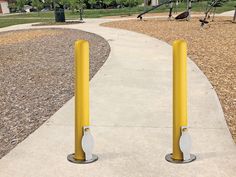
145,5
189,9
82,122
80,14
234,19
179,94
170,10
81,94
181,139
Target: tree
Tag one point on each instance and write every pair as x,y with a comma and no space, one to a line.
108,3
92,3
12,6
128,3
20,4
37,4
76,5
48,3
73,5
64,2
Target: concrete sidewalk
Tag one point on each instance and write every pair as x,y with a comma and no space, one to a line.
131,114
228,13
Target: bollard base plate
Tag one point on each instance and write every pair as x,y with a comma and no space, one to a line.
71,158
169,159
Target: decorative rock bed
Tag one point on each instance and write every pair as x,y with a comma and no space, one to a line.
37,77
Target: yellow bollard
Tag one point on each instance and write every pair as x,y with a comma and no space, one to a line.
181,138
81,94
180,117
81,101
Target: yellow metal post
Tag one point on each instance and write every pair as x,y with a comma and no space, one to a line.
81,94
180,117
83,138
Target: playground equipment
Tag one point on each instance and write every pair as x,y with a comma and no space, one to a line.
83,138
184,15
154,7
211,8
234,18
181,138
187,14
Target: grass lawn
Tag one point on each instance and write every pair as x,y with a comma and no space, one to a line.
10,22
96,13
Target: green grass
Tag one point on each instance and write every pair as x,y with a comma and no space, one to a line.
10,22
96,13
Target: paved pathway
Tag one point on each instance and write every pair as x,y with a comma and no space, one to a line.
131,119
228,13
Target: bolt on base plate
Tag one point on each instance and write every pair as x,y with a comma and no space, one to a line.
71,158
169,159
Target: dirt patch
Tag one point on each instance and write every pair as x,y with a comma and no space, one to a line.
37,77
213,49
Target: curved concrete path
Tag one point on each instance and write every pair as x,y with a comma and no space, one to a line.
227,13
131,119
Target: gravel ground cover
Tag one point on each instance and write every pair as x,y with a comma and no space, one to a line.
158,14
37,77
212,48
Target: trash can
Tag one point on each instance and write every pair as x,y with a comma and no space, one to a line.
59,14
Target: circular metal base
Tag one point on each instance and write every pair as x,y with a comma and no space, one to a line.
71,158
169,159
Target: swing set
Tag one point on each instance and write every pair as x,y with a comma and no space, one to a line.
186,15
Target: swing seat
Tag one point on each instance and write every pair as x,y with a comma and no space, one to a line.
203,21
182,15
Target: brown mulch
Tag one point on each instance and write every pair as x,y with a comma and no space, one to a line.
37,77
212,48
152,14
